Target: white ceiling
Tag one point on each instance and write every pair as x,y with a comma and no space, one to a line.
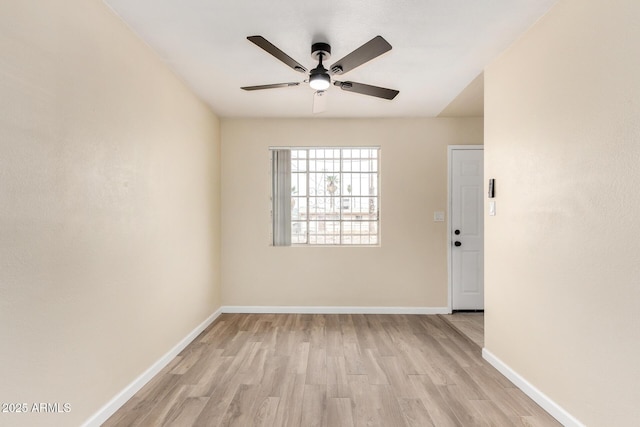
439,48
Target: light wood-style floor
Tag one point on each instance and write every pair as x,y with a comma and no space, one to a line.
330,370
470,325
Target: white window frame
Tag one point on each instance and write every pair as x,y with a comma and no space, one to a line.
340,198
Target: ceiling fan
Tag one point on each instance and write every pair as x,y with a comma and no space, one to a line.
320,78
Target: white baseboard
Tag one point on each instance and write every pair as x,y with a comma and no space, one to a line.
555,410
121,398
288,309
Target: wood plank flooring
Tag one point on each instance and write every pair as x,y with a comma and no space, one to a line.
470,325
330,371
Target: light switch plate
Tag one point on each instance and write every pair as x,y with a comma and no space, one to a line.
438,216
492,208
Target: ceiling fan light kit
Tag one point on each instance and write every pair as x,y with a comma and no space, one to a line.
320,77
319,81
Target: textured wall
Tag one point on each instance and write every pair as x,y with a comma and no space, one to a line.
109,208
562,140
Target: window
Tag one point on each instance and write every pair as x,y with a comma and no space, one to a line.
325,196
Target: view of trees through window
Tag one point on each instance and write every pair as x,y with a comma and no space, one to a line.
335,196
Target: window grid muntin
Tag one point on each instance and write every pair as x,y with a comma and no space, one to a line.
313,235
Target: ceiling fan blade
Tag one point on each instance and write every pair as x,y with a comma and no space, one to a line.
371,49
319,101
267,46
380,92
272,86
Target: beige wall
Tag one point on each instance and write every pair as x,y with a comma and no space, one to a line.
409,269
109,201
562,140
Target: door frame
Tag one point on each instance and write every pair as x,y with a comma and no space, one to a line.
450,149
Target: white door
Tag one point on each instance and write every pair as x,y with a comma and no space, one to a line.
466,228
